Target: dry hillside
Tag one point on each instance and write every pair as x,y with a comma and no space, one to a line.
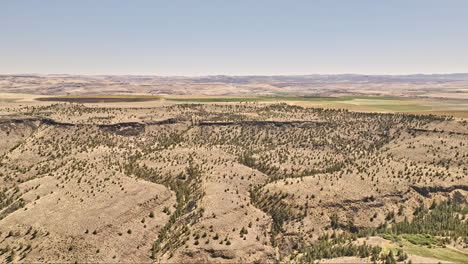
240,182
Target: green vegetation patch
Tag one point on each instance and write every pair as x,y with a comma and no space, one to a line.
442,253
402,107
374,98
421,239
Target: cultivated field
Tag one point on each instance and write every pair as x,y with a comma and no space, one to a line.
100,98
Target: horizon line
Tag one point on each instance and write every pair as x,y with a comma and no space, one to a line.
224,75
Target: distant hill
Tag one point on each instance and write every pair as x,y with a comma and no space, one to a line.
454,86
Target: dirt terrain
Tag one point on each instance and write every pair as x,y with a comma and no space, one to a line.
174,182
99,99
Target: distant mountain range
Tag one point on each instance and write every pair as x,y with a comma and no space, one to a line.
318,78
311,78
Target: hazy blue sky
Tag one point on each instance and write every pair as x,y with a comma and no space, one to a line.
201,37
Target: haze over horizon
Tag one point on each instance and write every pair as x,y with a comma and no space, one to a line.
238,38
229,75
318,75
